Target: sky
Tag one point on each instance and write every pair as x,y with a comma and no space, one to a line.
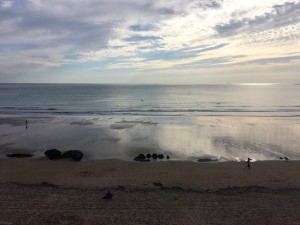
146,41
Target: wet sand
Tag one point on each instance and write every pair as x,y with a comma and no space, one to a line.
39,191
228,138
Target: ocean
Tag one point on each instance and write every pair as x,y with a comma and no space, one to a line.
186,122
89,99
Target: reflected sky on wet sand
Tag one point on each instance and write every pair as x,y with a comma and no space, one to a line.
183,138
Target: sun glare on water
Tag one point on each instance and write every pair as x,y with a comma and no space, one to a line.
257,84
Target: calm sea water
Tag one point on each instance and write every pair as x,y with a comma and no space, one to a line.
226,122
149,99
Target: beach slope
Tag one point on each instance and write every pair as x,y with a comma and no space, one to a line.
38,191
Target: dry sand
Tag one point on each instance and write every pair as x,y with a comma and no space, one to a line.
39,191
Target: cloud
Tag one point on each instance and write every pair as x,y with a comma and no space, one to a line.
281,15
6,4
31,60
142,27
136,38
214,4
276,60
207,48
29,23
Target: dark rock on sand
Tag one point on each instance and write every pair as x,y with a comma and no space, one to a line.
160,156
168,157
141,158
154,156
19,155
157,184
148,156
73,154
108,196
53,154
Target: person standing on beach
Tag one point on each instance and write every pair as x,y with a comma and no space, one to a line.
26,122
248,162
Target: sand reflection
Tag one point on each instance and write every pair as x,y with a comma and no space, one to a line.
228,138
225,138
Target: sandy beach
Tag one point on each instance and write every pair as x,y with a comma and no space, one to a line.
39,191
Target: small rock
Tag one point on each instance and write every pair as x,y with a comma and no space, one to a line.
157,184
154,156
168,157
19,155
108,196
160,156
141,158
53,154
73,154
148,156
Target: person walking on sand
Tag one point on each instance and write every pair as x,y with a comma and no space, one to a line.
248,162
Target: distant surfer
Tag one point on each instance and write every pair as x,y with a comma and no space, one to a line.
248,162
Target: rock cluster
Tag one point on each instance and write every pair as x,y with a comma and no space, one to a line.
285,158
54,154
147,157
141,158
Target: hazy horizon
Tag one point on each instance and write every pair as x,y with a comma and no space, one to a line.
174,84
182,84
